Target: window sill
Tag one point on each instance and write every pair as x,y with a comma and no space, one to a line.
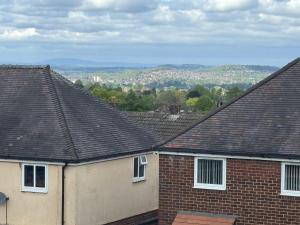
136,180
210,187
290,193
35,190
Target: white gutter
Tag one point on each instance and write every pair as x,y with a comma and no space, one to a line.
75,164
31,161
110,159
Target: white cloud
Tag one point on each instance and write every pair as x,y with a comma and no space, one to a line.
17,34
150,21
193,15
60,36
228,5
289,8
47,3
163,14
120,5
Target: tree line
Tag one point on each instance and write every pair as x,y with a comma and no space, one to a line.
173,100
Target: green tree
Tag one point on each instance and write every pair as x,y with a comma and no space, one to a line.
217,95
101,93
132,102
129,102
193,94
204,104
202,90
172,99
79,83
191,104
233,93
108,95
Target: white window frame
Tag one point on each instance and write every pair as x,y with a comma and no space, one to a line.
209,186
143,160
138,178
283,191
34,188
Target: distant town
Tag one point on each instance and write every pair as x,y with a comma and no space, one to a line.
166,88
167,76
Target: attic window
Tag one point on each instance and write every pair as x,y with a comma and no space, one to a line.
34,178
290,179
210,173
139,167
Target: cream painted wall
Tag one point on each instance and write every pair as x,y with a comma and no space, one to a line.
95,193
104,192
70,195
25,208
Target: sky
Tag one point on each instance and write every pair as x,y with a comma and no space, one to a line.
210,32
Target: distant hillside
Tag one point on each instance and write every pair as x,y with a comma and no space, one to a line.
185,67
165,76
244,68
79,64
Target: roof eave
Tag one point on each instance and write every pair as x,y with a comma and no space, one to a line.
75,161
226,153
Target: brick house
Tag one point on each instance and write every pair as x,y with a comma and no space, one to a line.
242,161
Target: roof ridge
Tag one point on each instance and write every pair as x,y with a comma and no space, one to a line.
251,89
80,89
16,66
60,108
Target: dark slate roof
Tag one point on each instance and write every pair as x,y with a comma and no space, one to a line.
165,125
45,117
263,122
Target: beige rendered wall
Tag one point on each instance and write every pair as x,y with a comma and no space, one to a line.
25,208
104,192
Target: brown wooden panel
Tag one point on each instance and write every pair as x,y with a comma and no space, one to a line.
187,219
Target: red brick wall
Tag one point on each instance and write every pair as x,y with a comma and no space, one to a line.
149,218
252,192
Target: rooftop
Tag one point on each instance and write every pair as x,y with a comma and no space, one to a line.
45,117
165,125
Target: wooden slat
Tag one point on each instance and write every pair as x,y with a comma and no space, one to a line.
185,219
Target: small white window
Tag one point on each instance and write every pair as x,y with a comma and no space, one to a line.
34,178
139,167
290,179
143,160
210,173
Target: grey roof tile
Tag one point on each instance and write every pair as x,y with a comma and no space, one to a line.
165,125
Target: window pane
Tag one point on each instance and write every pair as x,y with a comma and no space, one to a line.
143,160
136,167
210,171
292,177
28,176
142,170
40,176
